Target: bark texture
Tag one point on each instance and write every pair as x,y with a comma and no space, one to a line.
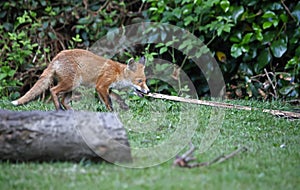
62,136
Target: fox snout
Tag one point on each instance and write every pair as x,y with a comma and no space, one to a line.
145,89
141,90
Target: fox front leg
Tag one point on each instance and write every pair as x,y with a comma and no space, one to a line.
104,96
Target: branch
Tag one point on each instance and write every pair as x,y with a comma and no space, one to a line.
232,154
184,161
287,10
279,113
273,86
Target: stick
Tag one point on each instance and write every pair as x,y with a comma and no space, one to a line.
183,161
287,10
279,113
232,154
273,86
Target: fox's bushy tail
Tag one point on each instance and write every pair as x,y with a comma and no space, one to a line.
40,86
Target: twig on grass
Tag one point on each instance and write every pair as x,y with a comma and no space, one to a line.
187,157
279,113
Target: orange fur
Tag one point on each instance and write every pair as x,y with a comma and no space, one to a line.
76,67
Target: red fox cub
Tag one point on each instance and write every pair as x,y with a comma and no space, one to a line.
76,67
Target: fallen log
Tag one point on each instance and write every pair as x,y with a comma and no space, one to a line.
62,136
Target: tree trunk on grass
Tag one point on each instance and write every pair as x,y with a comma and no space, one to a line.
62,136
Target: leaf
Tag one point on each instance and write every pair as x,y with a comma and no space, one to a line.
238,11
152,38
286,90
45,24
52,35
291,63
11,73
84,20
236,50
43,2
297,51
246,69
153,82
227,27
258,31
263,60
162,67
188,20
268,37
283,18
237,37
163,36
77,38
48,8
269,14
259,36
154,9
171,42
247,38
2,75
32,14
225,4
159,45
251,2
256,27
8,26
279,47
177,13
162,87
3,14
245,48
184,44
163,50
296,12
267,25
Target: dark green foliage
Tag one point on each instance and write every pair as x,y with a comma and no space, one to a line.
256,42
250,38
33,32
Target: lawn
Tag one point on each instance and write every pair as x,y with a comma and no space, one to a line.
271,162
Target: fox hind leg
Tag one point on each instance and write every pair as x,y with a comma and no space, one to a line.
61,87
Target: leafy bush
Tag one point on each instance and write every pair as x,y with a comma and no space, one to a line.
255,42
34,32
17,47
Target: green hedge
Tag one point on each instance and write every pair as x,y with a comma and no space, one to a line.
33,32
256,42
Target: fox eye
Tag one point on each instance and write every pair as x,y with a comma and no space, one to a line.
140,81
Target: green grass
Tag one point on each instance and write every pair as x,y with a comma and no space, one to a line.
266,165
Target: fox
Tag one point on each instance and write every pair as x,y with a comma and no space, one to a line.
78,67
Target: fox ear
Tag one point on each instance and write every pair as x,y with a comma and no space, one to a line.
142,60
131,65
